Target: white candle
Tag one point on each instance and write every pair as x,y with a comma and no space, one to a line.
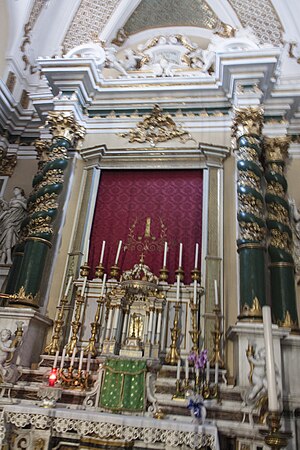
186,368
118,253
270,362
195,291
207,372
68,285
180,255
178,369
73,357
165,254
88,364
197,372
216,373
102,252
55,360
83,286
178,288
196,255
216,293
103,284
62,359
80,360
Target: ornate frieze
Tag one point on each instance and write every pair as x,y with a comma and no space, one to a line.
7,163
156,127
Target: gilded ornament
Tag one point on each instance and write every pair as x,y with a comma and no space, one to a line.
63,124
7,163
276,168
247,121
253,311
276,149
40,225
275,188
248,154
278,212
156,127
252,231
249,178
22,298
288,322
250,204
281,240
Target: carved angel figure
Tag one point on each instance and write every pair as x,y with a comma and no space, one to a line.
11,217
9,373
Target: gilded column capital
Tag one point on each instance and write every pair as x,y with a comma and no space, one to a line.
247,121
276,148
7,163
64,125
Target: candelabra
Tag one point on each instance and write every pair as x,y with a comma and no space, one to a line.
99,272
76,324
173,355
195,332
115,272
217,334
71,378
180,391
275,438
163,274
85,270
180,272
195,274
53,346
91,347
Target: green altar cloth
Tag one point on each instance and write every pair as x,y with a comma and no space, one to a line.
123,387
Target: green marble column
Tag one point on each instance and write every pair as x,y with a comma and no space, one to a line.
247,127
280,242
43,209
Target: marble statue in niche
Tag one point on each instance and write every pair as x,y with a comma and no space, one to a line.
12,214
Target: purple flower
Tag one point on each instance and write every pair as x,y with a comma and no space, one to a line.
201,360
193,357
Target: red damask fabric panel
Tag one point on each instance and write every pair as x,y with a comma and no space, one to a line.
145,208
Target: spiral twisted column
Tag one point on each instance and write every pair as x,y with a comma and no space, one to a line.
43,207
247,128
280,242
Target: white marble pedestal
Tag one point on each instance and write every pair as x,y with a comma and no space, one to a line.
244,334
35,326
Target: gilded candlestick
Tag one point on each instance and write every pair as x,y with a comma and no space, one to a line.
173,355
53,346
99,272
163,274
76,324
180,272
196,275
91,347
275,438
85,270
217,335
195,332
115,272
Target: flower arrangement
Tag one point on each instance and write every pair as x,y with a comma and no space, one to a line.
199,360
196,406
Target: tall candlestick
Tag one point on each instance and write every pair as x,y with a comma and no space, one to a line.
102,252
178,288
207,372
180,255
216,293
195,291
103,284
68,285
216,372
73,357
88,364
187,368
165,254
270,362
62,359
196,255
80,360
55,360
118,253
83,286
178,369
